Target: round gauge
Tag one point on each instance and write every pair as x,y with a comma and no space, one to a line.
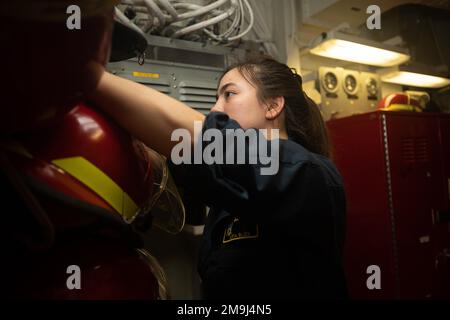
372,87
330,82
350,84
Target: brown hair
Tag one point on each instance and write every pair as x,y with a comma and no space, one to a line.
303,120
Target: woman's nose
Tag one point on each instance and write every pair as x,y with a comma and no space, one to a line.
218,107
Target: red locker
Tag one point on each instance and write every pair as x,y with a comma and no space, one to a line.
396,170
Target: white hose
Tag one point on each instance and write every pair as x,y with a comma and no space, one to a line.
224,36
233,25
169,8
191,6
230,30
206,23
250,25
202,10
141,9
153,7
150,22
157,17
241,6
240,16
132,2
194,8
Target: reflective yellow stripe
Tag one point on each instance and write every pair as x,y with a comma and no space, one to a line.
403,107
100,183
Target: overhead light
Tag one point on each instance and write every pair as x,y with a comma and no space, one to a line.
349,48
413,77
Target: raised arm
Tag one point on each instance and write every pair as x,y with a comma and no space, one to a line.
147,114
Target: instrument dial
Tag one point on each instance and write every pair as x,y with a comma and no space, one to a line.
350,84
372,87
330,82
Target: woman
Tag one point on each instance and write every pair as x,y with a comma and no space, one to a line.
266,236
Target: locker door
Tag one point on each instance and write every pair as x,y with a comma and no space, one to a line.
441,212
359,156
444,136
413,147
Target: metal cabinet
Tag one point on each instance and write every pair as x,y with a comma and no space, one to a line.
396,170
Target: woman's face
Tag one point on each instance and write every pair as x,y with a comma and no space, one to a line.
238,99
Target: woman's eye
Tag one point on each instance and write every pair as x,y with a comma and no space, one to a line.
229,94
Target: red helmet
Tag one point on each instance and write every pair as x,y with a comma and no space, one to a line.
88,158
82,170
399,101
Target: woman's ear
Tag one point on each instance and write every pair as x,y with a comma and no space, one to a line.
274,107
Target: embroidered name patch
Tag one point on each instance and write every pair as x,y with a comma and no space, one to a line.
239,230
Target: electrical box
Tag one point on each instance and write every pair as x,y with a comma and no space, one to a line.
185,70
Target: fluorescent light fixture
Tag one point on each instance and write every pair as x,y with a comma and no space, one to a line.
353,49
414,76
415,79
